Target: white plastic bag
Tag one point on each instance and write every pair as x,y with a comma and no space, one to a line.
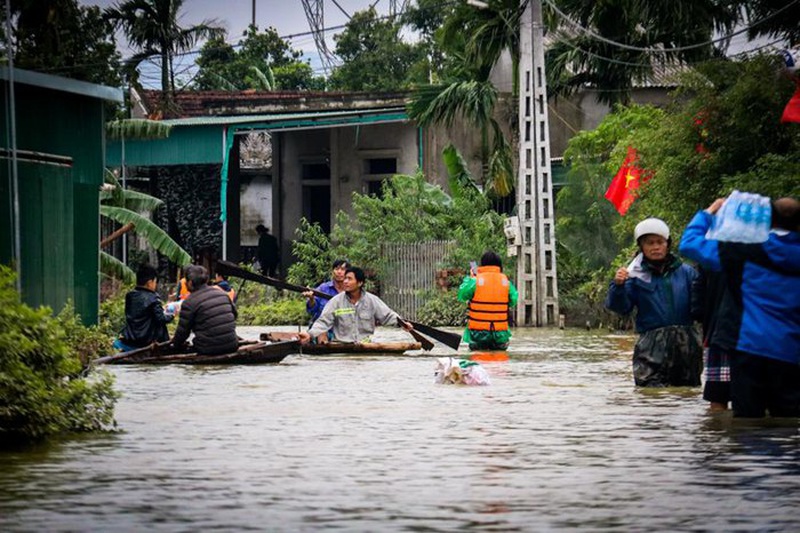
450,370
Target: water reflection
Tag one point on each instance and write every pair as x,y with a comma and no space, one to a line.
561,439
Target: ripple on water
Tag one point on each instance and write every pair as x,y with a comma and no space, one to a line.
561,439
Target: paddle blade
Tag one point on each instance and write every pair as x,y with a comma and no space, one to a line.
426,344
453,340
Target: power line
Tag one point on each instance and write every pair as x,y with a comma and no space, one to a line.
599,37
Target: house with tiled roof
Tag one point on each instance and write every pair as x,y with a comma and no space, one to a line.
242,158
247,158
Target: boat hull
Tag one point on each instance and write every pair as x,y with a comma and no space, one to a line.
252,353
346,348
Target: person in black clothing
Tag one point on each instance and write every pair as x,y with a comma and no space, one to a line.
145,319
711,292
209,313
268,253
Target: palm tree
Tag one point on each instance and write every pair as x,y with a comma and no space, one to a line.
476,38
152,27
610,44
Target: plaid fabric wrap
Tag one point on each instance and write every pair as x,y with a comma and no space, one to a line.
717,364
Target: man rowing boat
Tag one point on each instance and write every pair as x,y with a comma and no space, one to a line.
352,314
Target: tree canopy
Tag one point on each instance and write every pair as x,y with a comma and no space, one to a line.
226,67
62,38
722,132
374,56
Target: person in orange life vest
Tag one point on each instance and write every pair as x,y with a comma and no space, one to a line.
182,290
489,293
222,283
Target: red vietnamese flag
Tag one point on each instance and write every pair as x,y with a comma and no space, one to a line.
622,191
791,113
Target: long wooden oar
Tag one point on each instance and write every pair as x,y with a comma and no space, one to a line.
226,268
453,340
155,348
427,345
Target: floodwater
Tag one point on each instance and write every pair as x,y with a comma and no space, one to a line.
561,439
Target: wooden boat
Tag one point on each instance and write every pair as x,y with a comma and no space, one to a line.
339,348
249,353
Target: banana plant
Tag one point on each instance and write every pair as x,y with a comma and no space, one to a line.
124,206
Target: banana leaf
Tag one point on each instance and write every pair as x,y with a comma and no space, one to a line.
459,177
133,200
157,237
137,129
223,84
113,267
266,81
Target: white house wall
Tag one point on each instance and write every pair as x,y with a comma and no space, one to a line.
345,148
256,205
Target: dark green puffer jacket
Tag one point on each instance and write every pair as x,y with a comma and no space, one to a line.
212,316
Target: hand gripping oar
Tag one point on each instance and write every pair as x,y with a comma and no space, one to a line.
426,344
227,268
453,340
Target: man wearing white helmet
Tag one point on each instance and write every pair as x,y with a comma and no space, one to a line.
660,287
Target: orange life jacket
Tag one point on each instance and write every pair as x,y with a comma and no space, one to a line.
488,308
183,290
231,293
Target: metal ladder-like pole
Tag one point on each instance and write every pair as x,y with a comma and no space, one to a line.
535,246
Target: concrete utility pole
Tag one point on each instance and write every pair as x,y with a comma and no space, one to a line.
534,245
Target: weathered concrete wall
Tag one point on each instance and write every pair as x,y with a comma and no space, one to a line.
256,205
352,146
294,147
582,111
346,150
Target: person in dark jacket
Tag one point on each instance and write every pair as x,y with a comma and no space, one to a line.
145,319
268,252
717,389
758,320
661,289
209,313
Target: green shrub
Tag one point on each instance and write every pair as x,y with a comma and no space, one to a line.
443,309
276,313
44,386
111,318
466,219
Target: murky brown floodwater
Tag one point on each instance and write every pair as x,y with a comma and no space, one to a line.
561,439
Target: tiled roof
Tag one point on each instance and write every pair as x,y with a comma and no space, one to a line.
239,103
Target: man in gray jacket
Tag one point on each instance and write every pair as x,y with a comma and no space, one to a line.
352,313
209,312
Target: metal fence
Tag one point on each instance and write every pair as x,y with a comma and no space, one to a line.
410,273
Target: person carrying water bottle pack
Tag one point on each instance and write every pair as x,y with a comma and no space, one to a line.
662,290
759,315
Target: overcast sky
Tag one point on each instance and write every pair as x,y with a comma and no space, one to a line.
286,16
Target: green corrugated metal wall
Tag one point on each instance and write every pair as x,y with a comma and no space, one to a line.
195,145
59,205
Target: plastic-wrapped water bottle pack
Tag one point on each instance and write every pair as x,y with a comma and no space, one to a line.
744,217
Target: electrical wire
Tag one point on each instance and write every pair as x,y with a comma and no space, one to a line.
599,37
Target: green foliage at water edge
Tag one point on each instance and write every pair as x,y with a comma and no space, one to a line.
46,386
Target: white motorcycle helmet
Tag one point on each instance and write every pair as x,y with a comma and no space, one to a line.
648,226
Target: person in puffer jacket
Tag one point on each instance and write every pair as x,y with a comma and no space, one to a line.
662,289
759,316
209,313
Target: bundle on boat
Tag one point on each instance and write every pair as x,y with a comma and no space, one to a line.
359,348
250,352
